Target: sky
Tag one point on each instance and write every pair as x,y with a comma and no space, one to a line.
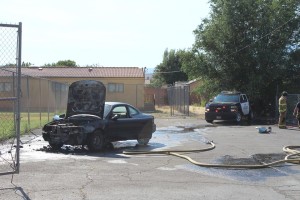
109,33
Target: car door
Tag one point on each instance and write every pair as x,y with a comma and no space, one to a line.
244,104
123,127
140,123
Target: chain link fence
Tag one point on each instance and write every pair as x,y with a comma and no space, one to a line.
178,98
40,99
173,99
26,102
10,55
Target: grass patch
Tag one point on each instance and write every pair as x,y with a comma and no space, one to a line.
197,111
165,111
28,122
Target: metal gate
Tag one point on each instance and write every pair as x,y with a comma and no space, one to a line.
179,99
10,92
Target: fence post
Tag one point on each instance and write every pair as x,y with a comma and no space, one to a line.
48,106
19,96
28,102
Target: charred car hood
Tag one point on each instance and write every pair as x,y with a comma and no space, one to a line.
86,97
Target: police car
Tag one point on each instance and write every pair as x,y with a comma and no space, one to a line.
228,105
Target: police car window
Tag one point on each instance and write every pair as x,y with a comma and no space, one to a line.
226,98
243,99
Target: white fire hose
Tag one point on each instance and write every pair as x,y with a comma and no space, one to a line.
293,156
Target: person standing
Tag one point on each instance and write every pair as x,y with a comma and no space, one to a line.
297,113
282,110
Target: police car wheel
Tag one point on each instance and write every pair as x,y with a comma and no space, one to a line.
238,117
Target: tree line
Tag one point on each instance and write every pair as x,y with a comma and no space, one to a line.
60,63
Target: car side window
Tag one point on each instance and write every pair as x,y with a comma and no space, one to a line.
132,111
243,99
120,110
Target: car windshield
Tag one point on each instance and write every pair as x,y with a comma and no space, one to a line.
227,98
106,110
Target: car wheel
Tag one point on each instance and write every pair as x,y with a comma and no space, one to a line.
238,117
143,141
96,141
55,146
209,121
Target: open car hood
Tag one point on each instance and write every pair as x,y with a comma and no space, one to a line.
86,97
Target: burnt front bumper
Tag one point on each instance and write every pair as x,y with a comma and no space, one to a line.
64,134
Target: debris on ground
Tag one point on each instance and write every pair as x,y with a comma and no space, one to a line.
264,129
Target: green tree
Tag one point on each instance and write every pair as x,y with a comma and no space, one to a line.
169,71
244,45
49,65
194,64
67,63
26,64
62,63
10,65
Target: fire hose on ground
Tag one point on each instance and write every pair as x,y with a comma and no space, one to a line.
293,156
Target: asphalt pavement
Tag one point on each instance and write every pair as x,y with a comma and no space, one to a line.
75,173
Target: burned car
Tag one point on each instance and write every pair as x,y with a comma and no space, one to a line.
91,121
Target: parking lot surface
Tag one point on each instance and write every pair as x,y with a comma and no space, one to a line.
75,173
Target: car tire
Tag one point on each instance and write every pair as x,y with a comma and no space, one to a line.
238,118
143,141
55,146
96,141
209,121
